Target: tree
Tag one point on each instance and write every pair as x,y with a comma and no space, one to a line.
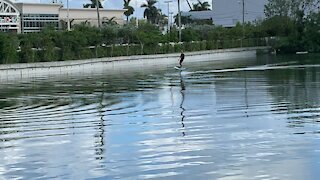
148,34
292,8
278,26
109,21
47,44
109,34
201,6
277,8
162,19
312,37
151,12
93,4
8,48
129,9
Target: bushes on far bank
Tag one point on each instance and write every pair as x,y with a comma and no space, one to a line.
85,42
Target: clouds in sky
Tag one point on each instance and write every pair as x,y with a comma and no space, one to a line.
118,4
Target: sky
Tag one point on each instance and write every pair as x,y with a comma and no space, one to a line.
118,4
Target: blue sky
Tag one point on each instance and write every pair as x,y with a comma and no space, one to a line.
118,4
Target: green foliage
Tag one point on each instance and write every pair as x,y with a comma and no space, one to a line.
127,33
277,8
172,36
93,4
151,12
187,20
47,44
201,6
129,9
109,21
295,21
109,34
8,48
278,26
311,39
190,34
148,34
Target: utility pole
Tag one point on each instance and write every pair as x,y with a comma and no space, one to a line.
68,16
179,20
168,28
98,14
137,20
242,23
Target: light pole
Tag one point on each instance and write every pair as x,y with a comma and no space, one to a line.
98,14
168,2
242,23
242,11
179,20
171,19
242,4
68,16
137,20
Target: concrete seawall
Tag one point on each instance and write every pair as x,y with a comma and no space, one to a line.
29,70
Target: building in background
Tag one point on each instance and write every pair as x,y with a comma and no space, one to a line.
228,13
36,16
33,17
9,17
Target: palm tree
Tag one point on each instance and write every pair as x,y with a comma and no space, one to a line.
129,9
162,19
151,12
201,6
109,21
93,4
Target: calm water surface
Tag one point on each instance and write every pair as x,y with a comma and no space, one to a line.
243,119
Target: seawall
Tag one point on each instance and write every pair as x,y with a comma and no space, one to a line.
29,70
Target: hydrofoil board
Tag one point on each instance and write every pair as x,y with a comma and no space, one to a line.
179,68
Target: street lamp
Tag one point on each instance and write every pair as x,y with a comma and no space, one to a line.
242,20
171,19
168,2
179,20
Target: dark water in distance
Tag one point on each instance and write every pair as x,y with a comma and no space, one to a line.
243,119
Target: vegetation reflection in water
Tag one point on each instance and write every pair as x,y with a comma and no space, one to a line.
242,119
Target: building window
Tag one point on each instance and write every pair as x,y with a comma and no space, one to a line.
36,22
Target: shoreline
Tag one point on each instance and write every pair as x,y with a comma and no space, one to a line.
27,70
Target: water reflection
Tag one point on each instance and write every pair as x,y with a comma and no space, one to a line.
99,143
249,119
182,91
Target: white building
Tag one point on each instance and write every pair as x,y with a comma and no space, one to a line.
9,17
228,13
33,17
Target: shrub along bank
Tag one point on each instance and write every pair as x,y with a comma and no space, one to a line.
84,42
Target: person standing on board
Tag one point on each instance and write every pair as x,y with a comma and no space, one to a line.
181,59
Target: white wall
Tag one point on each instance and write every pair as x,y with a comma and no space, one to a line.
90,14
36,8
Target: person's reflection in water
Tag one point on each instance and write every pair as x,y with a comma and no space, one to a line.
182,91
99,142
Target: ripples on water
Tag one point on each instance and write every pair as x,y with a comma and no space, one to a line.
245,119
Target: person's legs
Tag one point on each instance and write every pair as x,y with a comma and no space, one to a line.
180,62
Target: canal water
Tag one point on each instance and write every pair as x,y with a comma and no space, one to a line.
255,118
